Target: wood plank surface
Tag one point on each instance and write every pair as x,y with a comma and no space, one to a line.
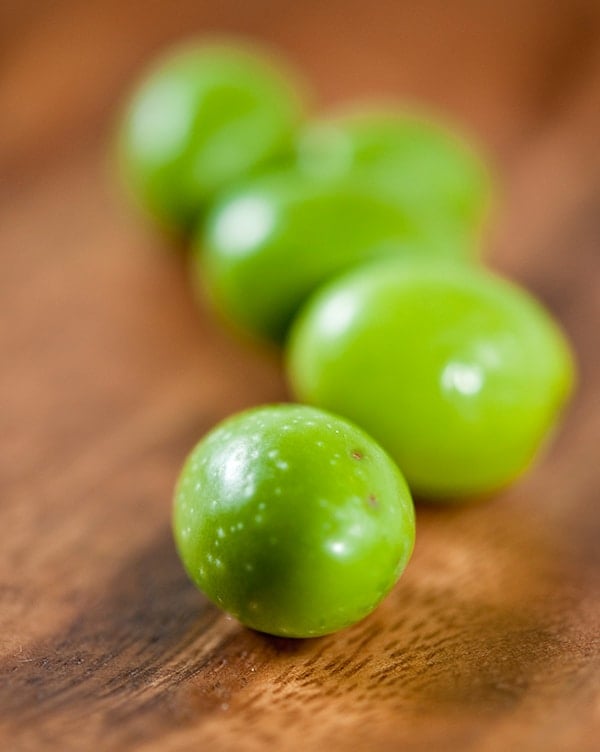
109,374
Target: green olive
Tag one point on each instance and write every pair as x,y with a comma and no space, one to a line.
423,165
293,520
205,115
269,244
460,375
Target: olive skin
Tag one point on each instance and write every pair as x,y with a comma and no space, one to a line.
458,374
293,520
205,115
270,243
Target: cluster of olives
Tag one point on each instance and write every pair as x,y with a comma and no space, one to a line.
354,239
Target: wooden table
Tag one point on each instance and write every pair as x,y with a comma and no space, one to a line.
109,375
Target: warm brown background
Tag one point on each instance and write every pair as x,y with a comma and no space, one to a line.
108,375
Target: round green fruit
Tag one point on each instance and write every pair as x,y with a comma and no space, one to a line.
293,520
424,166
268,245
205,115
458,374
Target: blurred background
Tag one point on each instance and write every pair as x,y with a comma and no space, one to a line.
89,302
109,373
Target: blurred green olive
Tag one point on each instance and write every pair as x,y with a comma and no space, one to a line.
459,374
204,116
267,245
426,167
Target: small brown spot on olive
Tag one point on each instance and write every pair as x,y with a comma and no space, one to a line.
372,499
356,454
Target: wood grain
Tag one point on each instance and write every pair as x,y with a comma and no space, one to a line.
109,374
